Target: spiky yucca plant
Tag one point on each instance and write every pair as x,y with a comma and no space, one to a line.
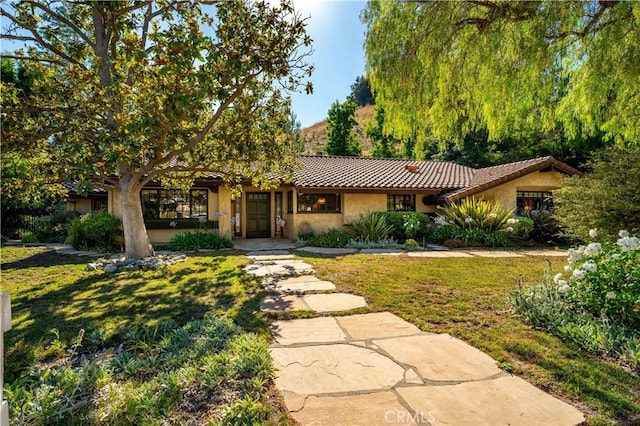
488,215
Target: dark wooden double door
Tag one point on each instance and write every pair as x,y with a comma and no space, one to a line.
258,215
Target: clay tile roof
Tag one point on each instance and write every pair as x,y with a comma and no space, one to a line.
375,173
72,188
491,176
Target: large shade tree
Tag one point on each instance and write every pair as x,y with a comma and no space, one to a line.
451,68
130,92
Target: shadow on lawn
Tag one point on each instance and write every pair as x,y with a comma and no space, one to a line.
120,300
43,260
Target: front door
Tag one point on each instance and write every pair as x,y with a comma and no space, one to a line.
258,218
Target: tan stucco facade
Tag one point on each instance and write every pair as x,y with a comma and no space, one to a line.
536,181
222,207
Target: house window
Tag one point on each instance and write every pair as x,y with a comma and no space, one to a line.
290,201
527,201
319,203
401,202
100,204
174,204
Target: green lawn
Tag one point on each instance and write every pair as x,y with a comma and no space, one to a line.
467,298
198,366
464,297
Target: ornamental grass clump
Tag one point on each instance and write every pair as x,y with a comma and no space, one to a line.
475,222
595,302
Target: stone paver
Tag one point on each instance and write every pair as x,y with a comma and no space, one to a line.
383,252
325,250
283,303
322,369
255,244
494,253
279,267
438,254
314,330
368,409
334,302
546,253
440,357
262,255
502,401
376,326
376,368
302,284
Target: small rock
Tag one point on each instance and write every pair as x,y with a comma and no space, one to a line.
110,268
92,267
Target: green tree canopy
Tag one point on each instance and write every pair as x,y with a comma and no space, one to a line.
452,68
341,139
361,92
606,198
384,146
130,92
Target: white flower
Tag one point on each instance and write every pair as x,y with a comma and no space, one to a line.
440,220
493,215
575,255
589,266
611,295
556,279
592,249
579,274
512,221
593,233
468,220
629,243
564,288
568,268
509,229
623,234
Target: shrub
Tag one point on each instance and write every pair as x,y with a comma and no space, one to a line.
607,198
521,227
477,213
334,237
55,227
192,241
96,231
372,226
545,227
595,302
470,236
411,243
29,237
407,224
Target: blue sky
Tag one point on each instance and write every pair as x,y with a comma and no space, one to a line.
338,36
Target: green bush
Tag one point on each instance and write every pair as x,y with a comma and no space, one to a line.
606,198
520,227
96,231
55,227
334,237
545,227
192,241
470,236
407,224
372,226
595,302
29,237
477,213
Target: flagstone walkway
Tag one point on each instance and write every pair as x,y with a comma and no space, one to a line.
377,369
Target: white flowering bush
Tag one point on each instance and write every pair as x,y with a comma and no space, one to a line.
595,301
603,279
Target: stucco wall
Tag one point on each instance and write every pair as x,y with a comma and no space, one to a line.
80,205
353,204
317,222
536,181
223,205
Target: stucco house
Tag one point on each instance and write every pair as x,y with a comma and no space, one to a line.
327,192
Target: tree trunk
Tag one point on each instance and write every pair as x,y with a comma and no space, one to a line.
136,241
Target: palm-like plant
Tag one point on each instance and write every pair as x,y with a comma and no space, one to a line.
371,226
488,215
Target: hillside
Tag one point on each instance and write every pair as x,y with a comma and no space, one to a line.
316,136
